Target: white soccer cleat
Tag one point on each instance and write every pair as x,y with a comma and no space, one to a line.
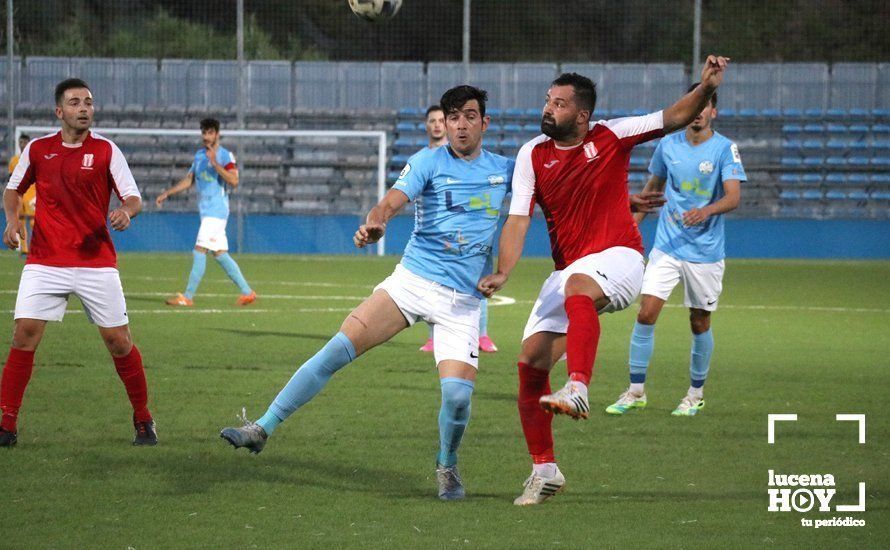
567,400
538,489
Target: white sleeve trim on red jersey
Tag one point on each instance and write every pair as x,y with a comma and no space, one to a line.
524,179
121,177
631,126
15,179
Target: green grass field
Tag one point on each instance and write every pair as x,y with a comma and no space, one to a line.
356,466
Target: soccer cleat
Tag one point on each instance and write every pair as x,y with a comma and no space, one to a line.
246,299
689,406
146,435
8,439
486,345
450,485
566,400
538,489
251,435
626,402
428,346
180,300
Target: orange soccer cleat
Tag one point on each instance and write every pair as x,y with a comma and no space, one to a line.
180,300
246,299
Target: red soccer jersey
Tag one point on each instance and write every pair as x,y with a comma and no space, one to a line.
74,186
582,190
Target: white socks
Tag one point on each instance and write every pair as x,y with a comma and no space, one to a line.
546,470
638,389
697,393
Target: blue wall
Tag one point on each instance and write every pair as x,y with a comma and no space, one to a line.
746,238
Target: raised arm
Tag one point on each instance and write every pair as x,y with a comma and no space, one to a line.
684,111
375,224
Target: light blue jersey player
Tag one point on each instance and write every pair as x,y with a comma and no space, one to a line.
458,190
212,172
701,173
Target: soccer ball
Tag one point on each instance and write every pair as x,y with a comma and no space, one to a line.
375,10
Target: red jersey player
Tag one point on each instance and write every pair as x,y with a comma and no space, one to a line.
577,173
75,172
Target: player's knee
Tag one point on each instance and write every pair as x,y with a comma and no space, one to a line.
456,397
25,337
700,321
118,343
647,317
583,284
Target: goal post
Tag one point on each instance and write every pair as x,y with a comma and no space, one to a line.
374,137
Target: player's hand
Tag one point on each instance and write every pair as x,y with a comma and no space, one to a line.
14,234
120,219
490,284
211,154
161,198
712,72
695,216
647,201
368,233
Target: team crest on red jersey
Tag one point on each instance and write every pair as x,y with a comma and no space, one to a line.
87,161
590,151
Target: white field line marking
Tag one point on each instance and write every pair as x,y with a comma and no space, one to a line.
755,307
179,310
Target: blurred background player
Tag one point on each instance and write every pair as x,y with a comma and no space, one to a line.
72,252
29,199
214,169
435,131
433,283
577,172
703,172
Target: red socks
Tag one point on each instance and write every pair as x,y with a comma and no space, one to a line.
534,383
16,374
583,337
131,373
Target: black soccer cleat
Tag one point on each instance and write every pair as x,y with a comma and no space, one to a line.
8,439
146,435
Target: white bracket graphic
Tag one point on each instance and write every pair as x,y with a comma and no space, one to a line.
854,418
854,507
771,420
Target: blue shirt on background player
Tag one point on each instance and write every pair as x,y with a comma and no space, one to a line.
694,177
457,218
213,197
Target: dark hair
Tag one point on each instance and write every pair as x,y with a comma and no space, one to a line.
585,89
209,124
25,136
432,108
69,84
457,97
713,96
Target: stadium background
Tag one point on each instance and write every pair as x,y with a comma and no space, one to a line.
807,98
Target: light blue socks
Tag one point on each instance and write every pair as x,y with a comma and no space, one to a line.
453,417
309,379
199,265
642,344
702,347
234,272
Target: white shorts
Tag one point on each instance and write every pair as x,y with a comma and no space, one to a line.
453,315
702,283
212,234
618,271
44,291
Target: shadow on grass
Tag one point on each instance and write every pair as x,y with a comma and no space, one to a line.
297,335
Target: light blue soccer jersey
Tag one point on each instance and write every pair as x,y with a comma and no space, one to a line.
695,176
213,196
456,216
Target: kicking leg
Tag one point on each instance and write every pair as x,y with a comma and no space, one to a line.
373,322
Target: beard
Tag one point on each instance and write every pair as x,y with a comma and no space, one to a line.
554,131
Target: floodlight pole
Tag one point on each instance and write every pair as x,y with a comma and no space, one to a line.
466,42
242,96
696,38
10,85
